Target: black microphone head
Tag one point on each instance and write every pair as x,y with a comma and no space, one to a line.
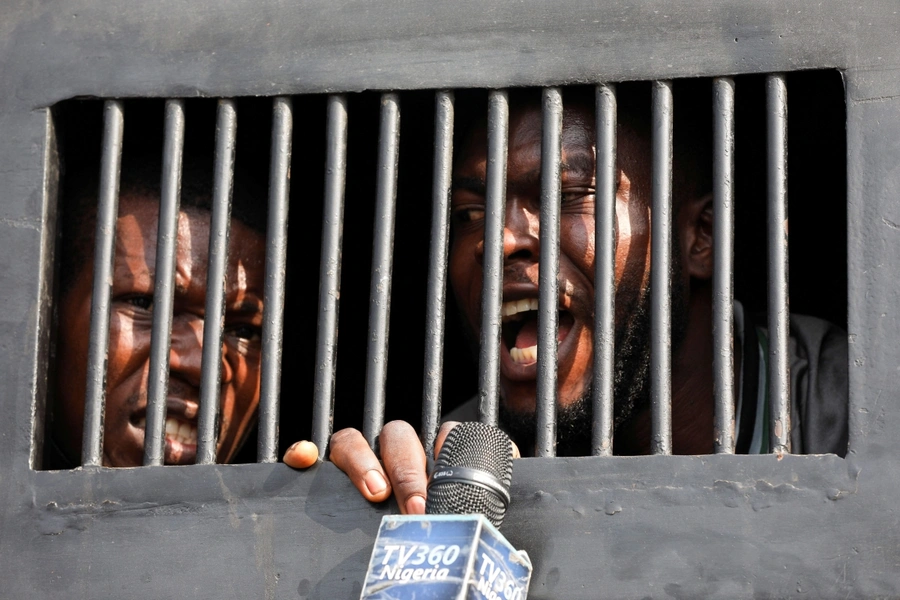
472,473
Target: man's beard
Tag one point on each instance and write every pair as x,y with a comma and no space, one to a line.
631,379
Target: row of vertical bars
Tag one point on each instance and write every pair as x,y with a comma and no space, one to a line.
220,219
662,120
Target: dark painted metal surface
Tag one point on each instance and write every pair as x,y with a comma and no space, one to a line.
723,263
437,268
330,271
159,48
779,371
660,270
548,301
107,211
382,265
164,284
721,526
275,533
276,257
213,322
492,265
604,271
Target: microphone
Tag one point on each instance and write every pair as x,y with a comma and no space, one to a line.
455,550
472,473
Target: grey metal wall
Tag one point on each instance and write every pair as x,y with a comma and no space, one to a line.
620,527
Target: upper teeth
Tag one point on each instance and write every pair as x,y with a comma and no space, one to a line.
515,307
176,430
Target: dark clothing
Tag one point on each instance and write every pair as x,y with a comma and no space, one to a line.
819,387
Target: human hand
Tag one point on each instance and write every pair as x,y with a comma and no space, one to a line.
401,471
301,455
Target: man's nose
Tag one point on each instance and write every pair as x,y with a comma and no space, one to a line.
186,352
521,234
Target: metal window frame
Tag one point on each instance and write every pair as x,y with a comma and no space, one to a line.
715,525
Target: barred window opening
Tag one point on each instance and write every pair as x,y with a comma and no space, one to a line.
399,292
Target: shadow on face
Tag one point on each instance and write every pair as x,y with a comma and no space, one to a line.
522,244
129,341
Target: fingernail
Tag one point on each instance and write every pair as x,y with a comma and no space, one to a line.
375,483
415,505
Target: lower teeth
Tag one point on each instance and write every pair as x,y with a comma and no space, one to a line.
523,355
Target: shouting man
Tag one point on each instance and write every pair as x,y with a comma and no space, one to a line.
131,316
818,349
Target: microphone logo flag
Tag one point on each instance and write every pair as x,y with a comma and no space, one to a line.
445,557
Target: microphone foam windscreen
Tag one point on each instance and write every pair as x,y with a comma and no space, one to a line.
472,473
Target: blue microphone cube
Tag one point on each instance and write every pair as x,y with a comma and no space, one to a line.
444,557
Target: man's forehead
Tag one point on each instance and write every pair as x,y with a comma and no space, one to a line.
139,220
525,130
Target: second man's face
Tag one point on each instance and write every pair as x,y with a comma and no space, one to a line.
129,339
521,249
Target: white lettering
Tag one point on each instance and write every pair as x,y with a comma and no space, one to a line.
451,555
420,555
405,556
483,586
494,571
389,572
512,591
390,550
434,557
495,582
485,563
498,585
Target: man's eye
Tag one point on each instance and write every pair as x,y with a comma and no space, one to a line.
251,333
469,214
577,196
144,302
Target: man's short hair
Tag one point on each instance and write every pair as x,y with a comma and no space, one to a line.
692,139
142,175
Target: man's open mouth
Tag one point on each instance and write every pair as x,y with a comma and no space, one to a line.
180,434
519,330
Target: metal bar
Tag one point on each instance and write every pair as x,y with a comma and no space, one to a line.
723,264
779,316
164,285
437,268
661,245
604,272
492,284
382,264
548,283
276,257
219,231
104,254
330,272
